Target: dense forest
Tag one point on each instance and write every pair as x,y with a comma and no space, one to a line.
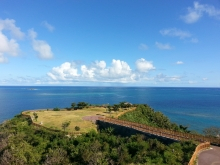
144,114
21,143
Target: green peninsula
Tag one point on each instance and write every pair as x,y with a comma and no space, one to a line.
24,143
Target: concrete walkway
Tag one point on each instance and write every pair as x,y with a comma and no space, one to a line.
210,157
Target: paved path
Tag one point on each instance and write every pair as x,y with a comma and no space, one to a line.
210,157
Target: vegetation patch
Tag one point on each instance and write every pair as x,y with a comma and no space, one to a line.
23,143
56,118
144,114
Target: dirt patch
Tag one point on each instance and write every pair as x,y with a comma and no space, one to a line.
92,118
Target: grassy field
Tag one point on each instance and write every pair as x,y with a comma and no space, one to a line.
54,119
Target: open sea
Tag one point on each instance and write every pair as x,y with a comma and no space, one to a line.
196,108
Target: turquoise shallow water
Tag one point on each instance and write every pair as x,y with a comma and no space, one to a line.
194,107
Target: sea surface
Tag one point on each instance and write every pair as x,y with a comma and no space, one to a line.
197,108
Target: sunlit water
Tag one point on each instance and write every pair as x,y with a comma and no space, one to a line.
197,108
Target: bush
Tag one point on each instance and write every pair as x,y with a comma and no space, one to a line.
56,109
77,128
68,109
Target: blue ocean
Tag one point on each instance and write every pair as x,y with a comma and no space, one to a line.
196,108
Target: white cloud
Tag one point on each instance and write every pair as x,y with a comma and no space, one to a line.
48,26
194,40
32,34
9,24
174,32
179,62
144,66
43,49
143,47
118,71
86,72
3,59
24,80
196,12
204,79
40,46
164,78
192,82
100,64
66,71
8,45
163,46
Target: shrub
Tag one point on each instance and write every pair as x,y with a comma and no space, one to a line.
77,128
56,109
68,109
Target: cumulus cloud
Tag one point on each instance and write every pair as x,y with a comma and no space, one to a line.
179,62
9,45
163,46
48,26
144,66
143,47
174,32
118,71
66,71
198,10
41,47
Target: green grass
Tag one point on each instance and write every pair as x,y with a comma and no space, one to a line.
54,119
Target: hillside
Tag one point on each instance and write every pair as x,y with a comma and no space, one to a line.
144,114
23,143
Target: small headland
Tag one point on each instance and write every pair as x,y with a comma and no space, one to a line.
83,118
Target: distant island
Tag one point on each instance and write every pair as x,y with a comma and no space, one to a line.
71,136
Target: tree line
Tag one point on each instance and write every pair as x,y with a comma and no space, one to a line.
115,107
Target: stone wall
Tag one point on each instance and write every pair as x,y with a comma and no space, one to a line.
128,131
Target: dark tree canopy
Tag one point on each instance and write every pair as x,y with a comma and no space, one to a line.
82,105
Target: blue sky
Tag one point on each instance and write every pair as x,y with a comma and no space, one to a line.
110,43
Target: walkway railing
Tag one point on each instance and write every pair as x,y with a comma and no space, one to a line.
162,132
198,149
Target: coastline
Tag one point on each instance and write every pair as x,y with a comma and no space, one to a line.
197,108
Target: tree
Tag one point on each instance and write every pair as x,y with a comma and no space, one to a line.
57,156
106,106
56,109
125,104
82,105
122,104
212,131
65,125
92,154
116,107
109,130
73,105
35,116
109,108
